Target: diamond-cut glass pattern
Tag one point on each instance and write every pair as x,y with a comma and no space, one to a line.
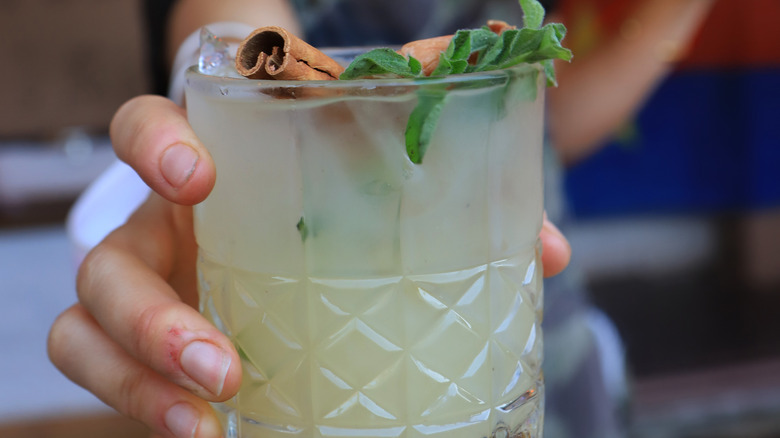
415,356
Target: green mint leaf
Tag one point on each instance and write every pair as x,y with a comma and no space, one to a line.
550,46
415,66
460,45
423,120
465,42
533,13
500,51
494,52
489,56
463,45
303,229
470,50
524,45
459,66
444,67
549,72
380,62
482,38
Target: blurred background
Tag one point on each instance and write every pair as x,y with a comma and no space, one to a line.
73,62
675,223
677,227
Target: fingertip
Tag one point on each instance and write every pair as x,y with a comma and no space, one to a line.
185,417
186,420
209,427
233,378
178,163
207,364
556,252
153,136
214,366
188,175
60,329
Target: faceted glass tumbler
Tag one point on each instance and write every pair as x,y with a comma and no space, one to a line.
368,295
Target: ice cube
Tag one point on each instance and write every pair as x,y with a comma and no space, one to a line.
215,56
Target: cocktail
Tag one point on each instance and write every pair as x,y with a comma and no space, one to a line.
369,295
371,291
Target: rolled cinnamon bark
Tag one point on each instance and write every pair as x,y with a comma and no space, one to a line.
499,26
426,51
274,53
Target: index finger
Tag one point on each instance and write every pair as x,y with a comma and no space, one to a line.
125,284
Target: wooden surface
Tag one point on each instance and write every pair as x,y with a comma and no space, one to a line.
94,426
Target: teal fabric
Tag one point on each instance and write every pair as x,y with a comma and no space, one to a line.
335,23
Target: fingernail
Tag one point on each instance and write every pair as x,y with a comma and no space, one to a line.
206,364
177,164
182,420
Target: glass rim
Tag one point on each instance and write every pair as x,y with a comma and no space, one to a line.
237,83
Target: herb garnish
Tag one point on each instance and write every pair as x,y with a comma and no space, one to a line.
530,44
303,229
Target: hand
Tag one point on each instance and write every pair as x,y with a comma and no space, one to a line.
135,339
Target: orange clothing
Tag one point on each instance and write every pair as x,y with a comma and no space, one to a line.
737,33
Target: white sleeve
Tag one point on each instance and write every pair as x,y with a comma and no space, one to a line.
103,206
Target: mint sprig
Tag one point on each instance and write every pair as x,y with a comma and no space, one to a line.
533,14
530,44
464,43
422,121
382,62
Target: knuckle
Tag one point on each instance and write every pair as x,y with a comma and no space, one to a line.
118,121
131,126
57,341
91,271
130,394
151,334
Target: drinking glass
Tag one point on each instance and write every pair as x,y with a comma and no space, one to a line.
369,295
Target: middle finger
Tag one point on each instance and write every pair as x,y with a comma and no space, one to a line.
122,382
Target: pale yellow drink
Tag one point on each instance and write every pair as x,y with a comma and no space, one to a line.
367,295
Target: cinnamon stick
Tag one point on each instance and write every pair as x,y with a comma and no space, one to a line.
426,51
499,26
274,53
